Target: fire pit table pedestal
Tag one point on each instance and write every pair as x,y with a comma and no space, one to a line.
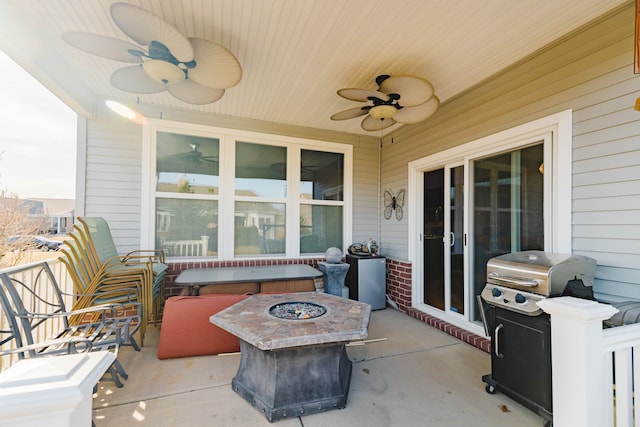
296,365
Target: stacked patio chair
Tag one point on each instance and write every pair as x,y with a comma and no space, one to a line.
33,306
95,288
93,255
105,250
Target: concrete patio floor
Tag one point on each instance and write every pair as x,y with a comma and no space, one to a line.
416,376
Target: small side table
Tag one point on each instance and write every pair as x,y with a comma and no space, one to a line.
334,274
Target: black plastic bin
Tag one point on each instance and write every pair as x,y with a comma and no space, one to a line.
628,313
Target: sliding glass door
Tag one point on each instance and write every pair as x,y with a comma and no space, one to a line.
443,238
508,203
503,193
507,200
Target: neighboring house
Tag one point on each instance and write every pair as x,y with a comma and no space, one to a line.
58,214
53,216
543,155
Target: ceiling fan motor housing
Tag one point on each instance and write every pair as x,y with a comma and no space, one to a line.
399,99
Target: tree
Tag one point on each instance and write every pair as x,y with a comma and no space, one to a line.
15,226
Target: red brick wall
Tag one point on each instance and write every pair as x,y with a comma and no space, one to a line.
399,283
399,289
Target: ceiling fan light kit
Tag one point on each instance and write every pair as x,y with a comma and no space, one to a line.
384,111
402,99
193,70
163,72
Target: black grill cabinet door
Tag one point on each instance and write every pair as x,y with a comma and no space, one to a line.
521,357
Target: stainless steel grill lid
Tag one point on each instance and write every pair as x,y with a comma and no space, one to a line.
543,273
519,280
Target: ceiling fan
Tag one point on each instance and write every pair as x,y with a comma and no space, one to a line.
399,99
194,70
194,155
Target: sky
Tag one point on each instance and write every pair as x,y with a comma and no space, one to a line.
37,137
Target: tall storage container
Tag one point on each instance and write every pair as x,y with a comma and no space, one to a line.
366,280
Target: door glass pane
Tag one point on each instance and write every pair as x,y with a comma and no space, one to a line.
187,164
187,227
259,228
456,239
320,228
507,208
261,170
321,175
433,238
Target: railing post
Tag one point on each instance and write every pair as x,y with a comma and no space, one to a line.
51,391
577,360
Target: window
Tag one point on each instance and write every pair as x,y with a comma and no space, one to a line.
187,164
321,197
261,195
187,184
227,194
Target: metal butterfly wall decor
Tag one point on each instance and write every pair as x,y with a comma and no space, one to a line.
393,203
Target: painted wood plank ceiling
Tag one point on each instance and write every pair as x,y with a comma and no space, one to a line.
295,54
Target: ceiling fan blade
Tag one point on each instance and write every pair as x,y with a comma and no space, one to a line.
216,66
193,93
351,113
210,159
144,27
412,90
371,124
362,95
135,80
107,47
408,115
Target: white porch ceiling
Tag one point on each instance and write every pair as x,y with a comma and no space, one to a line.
296,54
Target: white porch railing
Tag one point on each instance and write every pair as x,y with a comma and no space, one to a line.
595,370
185,248
66,285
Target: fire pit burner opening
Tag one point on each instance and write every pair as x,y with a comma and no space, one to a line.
295,310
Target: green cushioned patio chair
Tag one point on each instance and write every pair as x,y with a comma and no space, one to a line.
100,244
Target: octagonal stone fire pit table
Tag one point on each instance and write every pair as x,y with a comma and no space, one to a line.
294,364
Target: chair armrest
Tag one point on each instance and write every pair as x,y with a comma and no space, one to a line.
109,291
74,345
154,253
118,261
107,311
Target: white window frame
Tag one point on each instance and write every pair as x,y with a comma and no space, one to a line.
556,132
227,198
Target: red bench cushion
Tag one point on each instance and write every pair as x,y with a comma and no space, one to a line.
186,330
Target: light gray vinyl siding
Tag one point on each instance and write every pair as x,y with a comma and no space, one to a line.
365,194
393,240
591,73
113,177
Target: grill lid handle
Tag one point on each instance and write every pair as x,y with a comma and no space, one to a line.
517,281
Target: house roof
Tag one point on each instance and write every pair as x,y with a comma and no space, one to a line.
295,54
56,207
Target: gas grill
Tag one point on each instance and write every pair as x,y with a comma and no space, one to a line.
517,281
520,331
